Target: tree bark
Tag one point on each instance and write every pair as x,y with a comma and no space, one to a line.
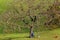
31,32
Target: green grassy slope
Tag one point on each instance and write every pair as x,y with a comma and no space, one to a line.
45,35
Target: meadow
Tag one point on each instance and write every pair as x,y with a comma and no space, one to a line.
45,35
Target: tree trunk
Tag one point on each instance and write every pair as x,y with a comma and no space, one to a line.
31,32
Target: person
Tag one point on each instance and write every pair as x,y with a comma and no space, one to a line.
31,32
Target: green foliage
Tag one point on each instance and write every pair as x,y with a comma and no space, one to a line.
4,5
18,14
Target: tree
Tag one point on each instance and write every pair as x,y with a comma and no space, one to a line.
53,14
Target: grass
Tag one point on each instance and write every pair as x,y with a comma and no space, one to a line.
45,35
